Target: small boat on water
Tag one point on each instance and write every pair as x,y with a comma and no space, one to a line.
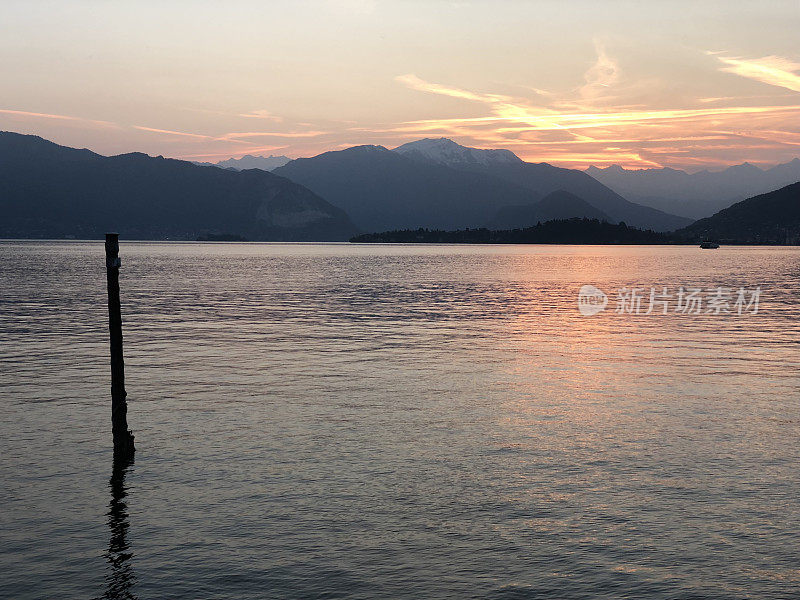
709,245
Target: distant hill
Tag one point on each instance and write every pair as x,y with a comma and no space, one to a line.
381,189
555,206
541,179
47,190
265,163
566,231
699,194
772,218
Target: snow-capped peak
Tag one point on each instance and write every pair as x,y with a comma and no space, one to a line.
447,152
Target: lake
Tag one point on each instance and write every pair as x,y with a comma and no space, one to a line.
373,421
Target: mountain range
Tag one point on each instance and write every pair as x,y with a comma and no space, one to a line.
438,183
695,195
47,190
771,218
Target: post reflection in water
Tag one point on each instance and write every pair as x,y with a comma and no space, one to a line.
120,578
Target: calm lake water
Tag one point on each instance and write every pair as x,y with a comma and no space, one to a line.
339,421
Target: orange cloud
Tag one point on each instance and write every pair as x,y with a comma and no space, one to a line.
603,119
527,117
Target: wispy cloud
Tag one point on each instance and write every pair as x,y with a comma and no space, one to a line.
233,153
278,134
609,119
261,114
38,115
602,75
229,145
198,136
773,70
518,115
412,81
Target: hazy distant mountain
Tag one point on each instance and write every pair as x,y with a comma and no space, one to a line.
699,194
541,179
768,218
265,163
556,206
47,190
382,190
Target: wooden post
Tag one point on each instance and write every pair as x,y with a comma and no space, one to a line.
123,439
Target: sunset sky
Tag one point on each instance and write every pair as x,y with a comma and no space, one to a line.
643,84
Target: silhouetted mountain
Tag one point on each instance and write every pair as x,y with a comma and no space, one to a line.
772,218
47,190
265,163
555,206
566,231
699,194
541,179
381,189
